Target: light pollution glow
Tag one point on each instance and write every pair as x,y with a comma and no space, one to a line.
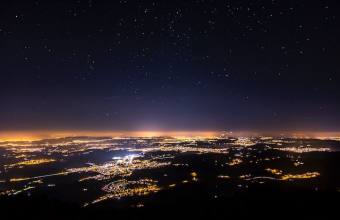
39,135
14,136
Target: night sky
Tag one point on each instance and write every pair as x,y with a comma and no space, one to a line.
170,65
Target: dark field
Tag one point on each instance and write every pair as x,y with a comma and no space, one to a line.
222,178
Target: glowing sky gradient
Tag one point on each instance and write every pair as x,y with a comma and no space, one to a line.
260,66
40,135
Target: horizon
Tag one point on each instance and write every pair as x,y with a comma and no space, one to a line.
17,136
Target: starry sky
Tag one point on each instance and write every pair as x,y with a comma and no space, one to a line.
171,65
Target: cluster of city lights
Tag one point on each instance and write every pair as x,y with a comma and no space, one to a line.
122,166
30,163
307,175
304,149
125,188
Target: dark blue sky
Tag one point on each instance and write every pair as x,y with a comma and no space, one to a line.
173,65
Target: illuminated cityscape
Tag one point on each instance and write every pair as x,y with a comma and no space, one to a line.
139,167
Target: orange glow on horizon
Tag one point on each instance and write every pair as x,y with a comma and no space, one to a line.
29,136
40,135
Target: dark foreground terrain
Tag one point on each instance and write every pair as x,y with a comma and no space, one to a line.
257,202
